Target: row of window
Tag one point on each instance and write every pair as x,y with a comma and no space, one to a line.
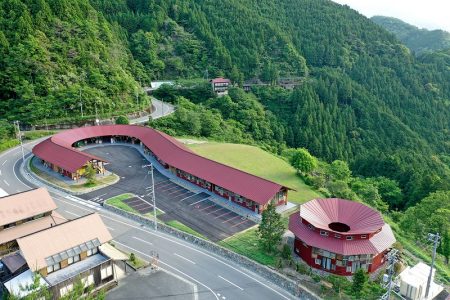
24,221
336,235
70,260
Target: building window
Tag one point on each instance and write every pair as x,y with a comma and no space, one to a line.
324,233
338,236
349,238
66,289
318,261
106,272
92,251
73,259
53,268
364,236
88,281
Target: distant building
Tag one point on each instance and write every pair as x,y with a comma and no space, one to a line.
220,85
62,255
289,83
413,283
154,85
340,236
248,84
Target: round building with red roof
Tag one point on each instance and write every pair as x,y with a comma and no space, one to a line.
340,236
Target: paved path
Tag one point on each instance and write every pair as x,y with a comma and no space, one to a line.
216,278
160,109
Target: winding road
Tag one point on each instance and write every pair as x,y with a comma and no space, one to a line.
215,277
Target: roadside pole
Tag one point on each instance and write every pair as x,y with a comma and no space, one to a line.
435,238
20,139
152,193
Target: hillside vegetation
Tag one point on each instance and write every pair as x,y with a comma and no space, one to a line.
260,163
416,39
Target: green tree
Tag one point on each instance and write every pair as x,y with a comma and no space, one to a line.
90,173
339,170
360,280
303,161
271,229
123,120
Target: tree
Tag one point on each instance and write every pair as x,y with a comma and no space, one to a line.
303,161
90,173
271,228
360,280
122,120
339,170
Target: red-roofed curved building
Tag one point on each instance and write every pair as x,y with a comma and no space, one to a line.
247,190
340,236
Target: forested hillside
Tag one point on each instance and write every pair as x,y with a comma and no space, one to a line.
418,40
365,98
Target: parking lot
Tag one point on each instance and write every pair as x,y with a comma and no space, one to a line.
194,209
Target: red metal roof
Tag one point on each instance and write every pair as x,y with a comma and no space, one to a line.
64,157
220,80
360,218
167,149
376,244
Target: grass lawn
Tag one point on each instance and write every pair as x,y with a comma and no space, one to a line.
180,226
258,162
246,243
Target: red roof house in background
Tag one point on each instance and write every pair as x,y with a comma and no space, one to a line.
340,236
220,85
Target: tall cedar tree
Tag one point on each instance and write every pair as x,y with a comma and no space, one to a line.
271,229
359,282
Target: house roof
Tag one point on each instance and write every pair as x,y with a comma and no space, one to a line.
39,246
25,205
63,157
170,151
13,233
220,80
359,217
374,245
14,262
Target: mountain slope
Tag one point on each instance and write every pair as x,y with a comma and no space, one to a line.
416,39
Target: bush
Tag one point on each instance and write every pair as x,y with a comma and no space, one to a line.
132,257
122,120
286,252
316,278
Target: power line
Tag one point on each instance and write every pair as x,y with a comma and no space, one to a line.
392,259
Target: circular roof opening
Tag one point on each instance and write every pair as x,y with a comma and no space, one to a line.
339,227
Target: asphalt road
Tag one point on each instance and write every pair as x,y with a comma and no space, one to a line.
160,109
178,203
216,278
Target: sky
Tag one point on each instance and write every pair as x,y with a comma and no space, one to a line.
430,14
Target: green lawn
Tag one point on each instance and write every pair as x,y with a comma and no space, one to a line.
258,162
180,226
246,243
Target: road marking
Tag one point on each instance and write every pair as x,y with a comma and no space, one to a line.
6,182
0,172
211,212
187,197
226,221
110,228
161,262
71,213
239,223
200,201
4,162
207,207
3,193
224,214
141,240
186,259
181,190
231,283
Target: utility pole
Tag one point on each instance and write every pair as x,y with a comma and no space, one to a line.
152,193
162,107
81,104
20,139
435,238
392,259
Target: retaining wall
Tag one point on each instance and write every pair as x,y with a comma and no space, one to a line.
276,278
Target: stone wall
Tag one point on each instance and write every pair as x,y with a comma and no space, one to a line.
276,278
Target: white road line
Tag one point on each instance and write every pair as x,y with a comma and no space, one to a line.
187,197
0,172
161,262
200,201
186,259
143,241
231,283
224,214
6,182
4,162
71,213
109,228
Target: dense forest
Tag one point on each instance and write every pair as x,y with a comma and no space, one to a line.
416,39
364,98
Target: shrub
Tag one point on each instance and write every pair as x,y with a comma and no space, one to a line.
286,252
